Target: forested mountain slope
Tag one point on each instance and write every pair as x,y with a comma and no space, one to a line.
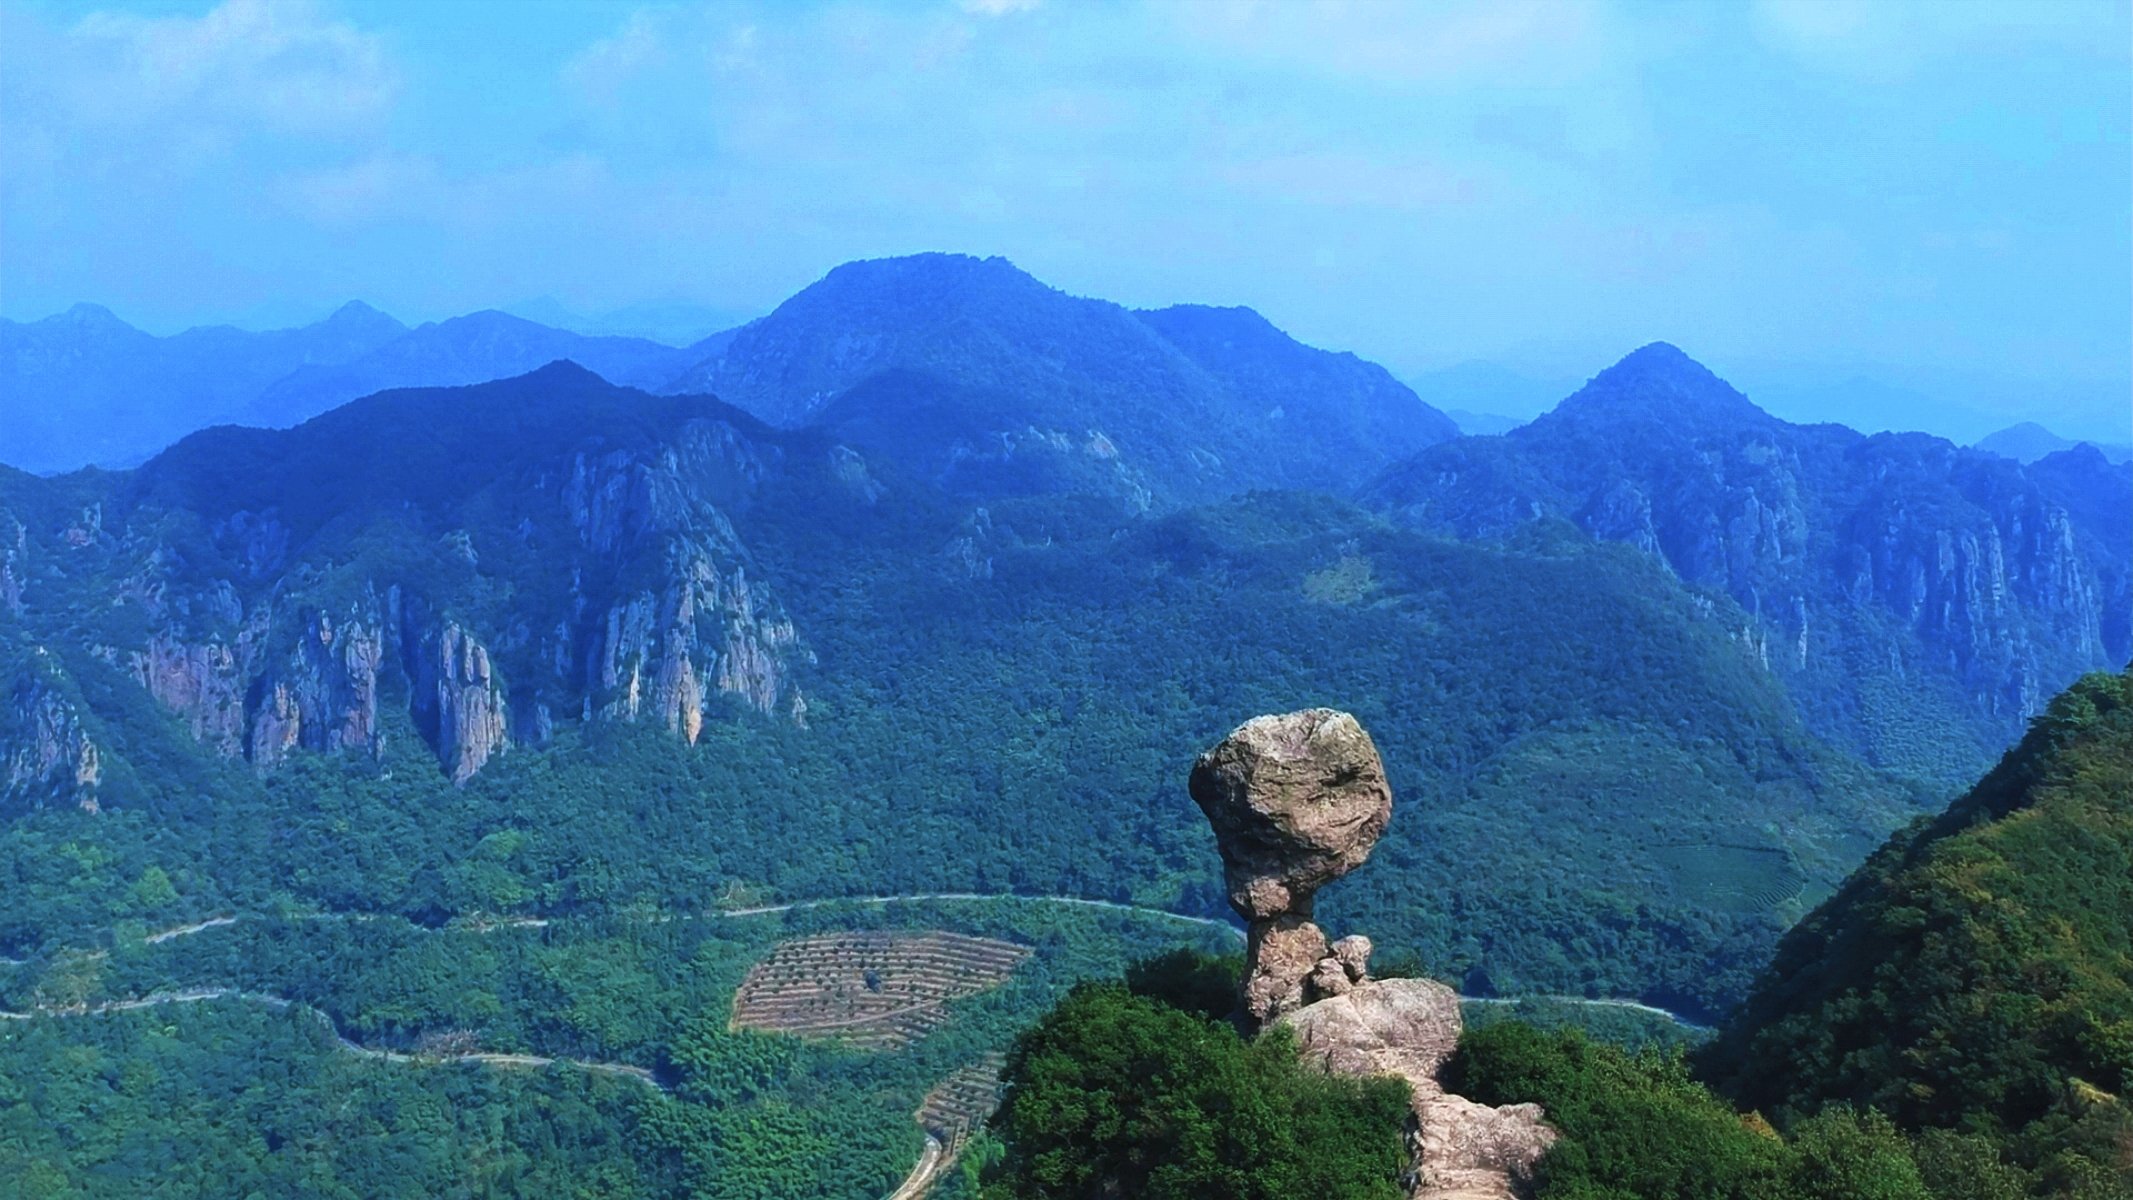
1977,973
251,650
990,381
1919,600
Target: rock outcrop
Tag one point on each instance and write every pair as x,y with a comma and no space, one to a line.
45,753
202,681
1296,801
324,696
1408,1028
461,698
14,545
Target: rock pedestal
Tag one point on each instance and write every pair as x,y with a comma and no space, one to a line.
1296,801
1409,1027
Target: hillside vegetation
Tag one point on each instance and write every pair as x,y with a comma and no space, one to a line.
1976,975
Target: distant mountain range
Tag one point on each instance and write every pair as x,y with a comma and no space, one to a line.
991,382
984,377
1922,600
2029,441
1919,599
85,387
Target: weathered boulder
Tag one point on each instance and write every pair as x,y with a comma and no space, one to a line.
1353,954
1280,954
1408,1028
1296,801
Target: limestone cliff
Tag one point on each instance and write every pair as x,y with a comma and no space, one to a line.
660,653
459,700
324,694
46,756
14,545
202,681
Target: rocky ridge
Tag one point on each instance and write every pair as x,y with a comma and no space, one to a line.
51,757
1296,801
1896,559
291,619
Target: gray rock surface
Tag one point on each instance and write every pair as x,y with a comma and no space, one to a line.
1297,801
1408,1028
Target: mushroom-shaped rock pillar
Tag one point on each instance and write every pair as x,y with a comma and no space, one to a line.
1296,801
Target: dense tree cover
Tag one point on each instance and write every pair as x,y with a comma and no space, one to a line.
746,1116
1636,1126
1598,792
1976,975
226,1099
1119,1094
1600,789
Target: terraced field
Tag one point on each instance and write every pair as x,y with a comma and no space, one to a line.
960,1103
1734,878
875,988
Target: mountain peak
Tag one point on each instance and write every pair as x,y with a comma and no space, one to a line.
89,316
1658,381
930,277
1660,359
356,315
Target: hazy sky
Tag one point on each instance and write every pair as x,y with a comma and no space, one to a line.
1938,197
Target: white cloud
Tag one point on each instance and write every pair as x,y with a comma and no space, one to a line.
1885,39
1500,41
280,64
601,70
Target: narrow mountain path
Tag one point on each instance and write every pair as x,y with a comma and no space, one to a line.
487,925
346,1043
921,1179
990,897
165,935
1589,1002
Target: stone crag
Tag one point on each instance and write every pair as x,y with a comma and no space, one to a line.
46,755
1296,801
547,577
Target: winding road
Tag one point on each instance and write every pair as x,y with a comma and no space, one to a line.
933,1160
199,995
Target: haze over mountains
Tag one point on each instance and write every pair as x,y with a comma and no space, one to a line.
923,583
1906,588
1902,587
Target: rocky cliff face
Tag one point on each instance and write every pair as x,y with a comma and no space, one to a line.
203,682
460,698
14,543
599,578
324,695
1898,557
46,756
660,653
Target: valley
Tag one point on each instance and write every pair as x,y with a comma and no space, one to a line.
792,749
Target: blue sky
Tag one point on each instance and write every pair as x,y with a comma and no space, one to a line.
1935,198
